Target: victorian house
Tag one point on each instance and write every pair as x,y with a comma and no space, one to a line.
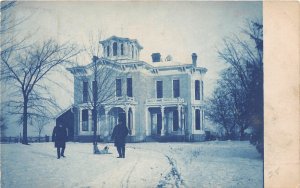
162,99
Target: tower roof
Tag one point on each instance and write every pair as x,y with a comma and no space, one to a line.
121,39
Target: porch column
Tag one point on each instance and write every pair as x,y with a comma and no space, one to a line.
106,116
193,120
106,119
133,121
79,121
182,120
126,114
202,118
110,50
162,109
90,121
153,130
179,117
146,121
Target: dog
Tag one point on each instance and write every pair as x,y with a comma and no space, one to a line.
103,151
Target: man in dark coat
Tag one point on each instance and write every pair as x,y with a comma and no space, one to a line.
59,136
119,135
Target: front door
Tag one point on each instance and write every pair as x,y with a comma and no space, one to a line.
159,123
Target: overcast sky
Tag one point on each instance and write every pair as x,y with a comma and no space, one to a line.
175,28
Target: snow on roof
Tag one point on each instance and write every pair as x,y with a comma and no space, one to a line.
168,64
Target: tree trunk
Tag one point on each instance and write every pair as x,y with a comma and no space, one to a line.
25,117
39,136
242,134
94,114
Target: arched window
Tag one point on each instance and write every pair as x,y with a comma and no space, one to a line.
115,49
107,51
122,49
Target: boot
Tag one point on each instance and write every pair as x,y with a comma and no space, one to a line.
58,153
62,152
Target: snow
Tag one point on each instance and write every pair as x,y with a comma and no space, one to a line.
205,164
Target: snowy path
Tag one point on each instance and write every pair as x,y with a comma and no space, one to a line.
140,167
153,165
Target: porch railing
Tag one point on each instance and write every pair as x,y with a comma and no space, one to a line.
125,98
164,100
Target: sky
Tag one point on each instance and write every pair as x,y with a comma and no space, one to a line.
170,28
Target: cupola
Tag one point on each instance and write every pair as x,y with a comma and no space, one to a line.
118,48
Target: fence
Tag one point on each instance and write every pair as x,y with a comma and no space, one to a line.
32,139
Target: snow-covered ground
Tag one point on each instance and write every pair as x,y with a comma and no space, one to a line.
205,164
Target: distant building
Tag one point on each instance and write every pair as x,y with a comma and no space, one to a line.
157,100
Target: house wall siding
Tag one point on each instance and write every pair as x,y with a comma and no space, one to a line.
143,90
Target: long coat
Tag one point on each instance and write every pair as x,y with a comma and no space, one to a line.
119,135
60,136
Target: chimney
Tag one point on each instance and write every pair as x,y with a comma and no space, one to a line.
95,58
156,57
194,59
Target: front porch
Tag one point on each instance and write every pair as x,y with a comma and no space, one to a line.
107,118
166,121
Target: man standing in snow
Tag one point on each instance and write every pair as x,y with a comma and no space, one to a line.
59,136
119,135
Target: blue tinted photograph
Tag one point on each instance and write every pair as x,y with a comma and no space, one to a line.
132,94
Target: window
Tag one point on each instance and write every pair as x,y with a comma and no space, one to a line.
175,120
107,51
85,120
129,87
118,87
159,89
197,89
197,112
122,49
85,91
176,86
115,49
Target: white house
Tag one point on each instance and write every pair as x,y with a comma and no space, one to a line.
162,99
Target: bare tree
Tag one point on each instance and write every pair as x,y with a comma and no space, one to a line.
103,89
242,81
3,125
6,24
245,58
102,76
26,69
220,110
39,125
9,25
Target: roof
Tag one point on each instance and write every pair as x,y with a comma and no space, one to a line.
168,64
64,111
115,38
165,65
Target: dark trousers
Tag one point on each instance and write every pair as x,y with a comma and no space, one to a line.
121,151
60,151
